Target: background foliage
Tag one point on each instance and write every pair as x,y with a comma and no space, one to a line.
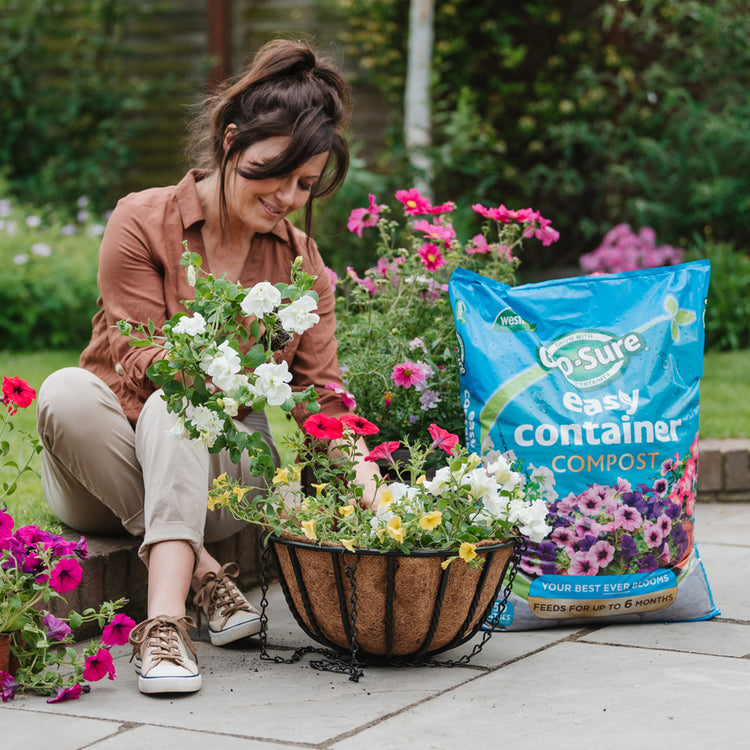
605,112
66,122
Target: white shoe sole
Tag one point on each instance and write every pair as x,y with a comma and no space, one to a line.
235,632
166,684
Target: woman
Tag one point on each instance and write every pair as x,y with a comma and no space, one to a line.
268,145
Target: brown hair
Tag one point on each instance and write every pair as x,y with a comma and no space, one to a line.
287,90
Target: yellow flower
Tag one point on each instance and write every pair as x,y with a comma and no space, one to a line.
240,492
447,562
281,476
219,499
431,520
386,498
220,481
421,479
395,530
319,487
346,510
467,551
348,543
309,528
296,473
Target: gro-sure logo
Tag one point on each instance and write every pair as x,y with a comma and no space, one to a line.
588,359
509,320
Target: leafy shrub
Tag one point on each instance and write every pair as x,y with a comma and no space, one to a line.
66,119
48,285
601,114
728,307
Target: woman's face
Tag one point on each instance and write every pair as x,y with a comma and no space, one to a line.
258,205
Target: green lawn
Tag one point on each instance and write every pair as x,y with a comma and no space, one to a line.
725,393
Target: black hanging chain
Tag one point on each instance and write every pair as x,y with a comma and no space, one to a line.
333,661
348,664
519,548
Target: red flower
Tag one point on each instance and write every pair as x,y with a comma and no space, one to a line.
442,438
99,665
384,450
66,575
17,393
324,427
116,633
359,425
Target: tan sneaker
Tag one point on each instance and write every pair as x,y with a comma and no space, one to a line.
230,616
160,650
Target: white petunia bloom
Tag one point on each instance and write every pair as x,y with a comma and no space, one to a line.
191,326
299,315
262,299
226,362
440,482
481,484
231,407
178,430
230,383
207,422
272,382
496,506
531,519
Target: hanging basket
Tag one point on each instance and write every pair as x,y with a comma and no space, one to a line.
5,656
389,607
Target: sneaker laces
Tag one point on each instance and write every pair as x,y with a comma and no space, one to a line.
162,635
219,593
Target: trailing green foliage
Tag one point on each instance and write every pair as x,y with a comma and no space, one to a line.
602,113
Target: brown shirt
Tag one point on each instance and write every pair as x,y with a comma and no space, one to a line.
140,278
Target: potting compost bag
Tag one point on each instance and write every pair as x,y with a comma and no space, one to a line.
595,379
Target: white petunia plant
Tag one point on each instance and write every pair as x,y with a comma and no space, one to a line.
218,357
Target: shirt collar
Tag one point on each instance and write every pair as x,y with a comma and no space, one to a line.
186,194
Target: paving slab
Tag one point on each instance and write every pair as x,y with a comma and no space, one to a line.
581,695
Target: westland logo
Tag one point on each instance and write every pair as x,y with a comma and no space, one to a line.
509,320
589,359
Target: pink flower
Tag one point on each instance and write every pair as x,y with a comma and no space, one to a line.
367,284
384,451
431,256
66,694
628,518
360,218
323,426
603,553
442,438
98,666
583,564
443,208
506,215
414,202
6,527
333,276
442,232
65,576
478,244
652,534
57,629
8,686
117,632
407,374
347,398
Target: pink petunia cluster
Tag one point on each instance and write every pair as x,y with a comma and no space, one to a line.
624,250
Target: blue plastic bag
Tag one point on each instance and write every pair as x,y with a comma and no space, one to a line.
595,380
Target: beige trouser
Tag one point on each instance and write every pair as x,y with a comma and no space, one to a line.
100,476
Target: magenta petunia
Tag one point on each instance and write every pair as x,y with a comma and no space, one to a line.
359,425
66,694
99,665
17,393
57,629
117,632
65,576
6,527
8,686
